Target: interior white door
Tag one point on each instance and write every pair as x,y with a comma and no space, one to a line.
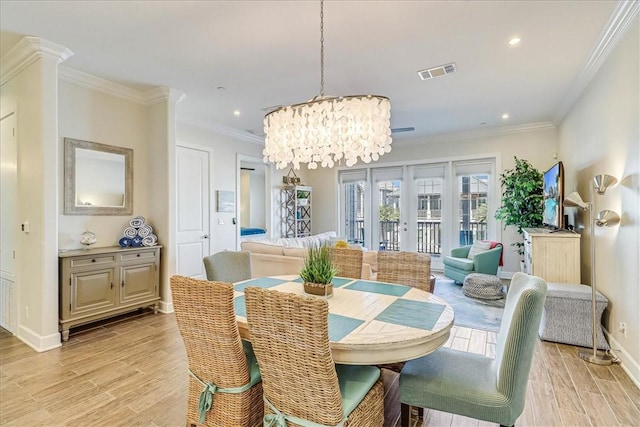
8,223
193,216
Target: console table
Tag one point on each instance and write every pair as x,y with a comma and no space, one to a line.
103,282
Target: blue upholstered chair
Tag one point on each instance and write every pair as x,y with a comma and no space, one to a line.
459,265
228,266
476,386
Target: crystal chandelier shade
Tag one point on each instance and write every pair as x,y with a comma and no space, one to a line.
326,129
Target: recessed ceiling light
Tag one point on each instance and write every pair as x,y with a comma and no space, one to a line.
514,41
505,116
236,113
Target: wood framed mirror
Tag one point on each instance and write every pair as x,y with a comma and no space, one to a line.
98,178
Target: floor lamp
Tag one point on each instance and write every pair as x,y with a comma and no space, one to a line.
604,218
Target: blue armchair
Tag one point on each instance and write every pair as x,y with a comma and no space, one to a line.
458,265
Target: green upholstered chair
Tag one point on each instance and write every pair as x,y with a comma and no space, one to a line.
228,266
476,386
458,265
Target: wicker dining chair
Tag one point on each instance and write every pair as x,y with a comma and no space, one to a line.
290,336
405,268
216,355
348,262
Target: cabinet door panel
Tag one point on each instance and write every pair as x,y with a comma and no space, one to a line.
138,282
92,291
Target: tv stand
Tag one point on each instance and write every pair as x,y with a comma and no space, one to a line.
553,255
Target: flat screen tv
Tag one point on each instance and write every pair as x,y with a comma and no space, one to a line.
552,215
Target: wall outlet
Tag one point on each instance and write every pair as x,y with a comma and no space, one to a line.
622,327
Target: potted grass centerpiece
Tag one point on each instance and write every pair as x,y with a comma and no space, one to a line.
318,271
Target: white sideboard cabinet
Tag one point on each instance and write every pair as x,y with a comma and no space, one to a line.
103,282
552,255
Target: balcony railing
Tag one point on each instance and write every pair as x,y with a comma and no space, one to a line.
429,235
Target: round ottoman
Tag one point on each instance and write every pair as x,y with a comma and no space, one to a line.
482,286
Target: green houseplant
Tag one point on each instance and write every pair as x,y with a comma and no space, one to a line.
318,271
522,198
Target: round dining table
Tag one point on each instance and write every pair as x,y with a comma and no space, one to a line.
370,322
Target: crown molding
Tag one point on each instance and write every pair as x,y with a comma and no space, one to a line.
98,84
620,20
28,50
480,133
224,130
149,97
238,134
159,94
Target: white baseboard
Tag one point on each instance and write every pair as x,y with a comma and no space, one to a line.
38,342
630,366
165,307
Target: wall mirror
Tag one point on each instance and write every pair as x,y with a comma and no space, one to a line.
98,179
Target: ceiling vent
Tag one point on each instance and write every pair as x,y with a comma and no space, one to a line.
438,71
399,130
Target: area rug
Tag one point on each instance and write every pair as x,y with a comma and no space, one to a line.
470,312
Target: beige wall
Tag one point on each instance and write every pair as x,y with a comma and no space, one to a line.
225,171
601,135
90,115
33,94
537,146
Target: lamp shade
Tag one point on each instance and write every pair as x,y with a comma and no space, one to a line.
607,218
602,182
574,200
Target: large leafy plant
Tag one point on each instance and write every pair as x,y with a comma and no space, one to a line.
522,198
318,266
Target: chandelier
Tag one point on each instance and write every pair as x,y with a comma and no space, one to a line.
328,129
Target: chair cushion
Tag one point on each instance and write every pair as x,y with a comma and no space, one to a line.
355,382
453,381
477,248
465,264
252,363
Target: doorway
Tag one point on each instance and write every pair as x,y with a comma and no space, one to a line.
8,223
253,200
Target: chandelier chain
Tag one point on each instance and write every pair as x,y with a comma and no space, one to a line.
326,131
321,48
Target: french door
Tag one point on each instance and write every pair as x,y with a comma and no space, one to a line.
429,208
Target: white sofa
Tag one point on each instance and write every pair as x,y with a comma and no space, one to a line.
286,255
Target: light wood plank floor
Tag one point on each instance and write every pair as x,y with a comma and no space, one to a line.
133,373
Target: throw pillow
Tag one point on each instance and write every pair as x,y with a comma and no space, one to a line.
341,244
477,248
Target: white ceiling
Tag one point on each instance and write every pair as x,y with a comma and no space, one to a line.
266,53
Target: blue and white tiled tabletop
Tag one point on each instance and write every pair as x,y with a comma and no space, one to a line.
369,322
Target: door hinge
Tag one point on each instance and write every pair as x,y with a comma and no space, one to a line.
111,285
14,131
156,266
69,306
14,254
122,284
69,281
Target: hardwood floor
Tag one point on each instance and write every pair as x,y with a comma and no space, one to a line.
133,373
